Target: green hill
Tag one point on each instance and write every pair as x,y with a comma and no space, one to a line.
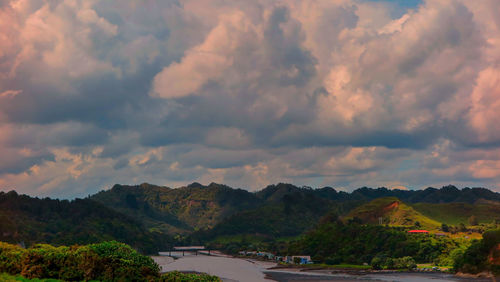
179,210
392,211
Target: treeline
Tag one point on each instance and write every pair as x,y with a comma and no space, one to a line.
107,261
28,220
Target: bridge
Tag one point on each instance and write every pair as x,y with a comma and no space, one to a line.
175,252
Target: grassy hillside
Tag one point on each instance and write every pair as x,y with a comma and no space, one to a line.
456,213
393,212
33,220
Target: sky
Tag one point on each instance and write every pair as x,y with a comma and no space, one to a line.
340,93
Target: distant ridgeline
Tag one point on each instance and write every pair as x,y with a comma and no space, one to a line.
148,216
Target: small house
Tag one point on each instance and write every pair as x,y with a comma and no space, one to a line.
418,231
302,259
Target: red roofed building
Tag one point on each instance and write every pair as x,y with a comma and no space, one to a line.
419,231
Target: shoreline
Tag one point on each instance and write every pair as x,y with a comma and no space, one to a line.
271,271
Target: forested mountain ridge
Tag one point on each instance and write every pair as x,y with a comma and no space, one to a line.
177,210
446,194
142,214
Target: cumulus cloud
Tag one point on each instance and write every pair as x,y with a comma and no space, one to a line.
341,93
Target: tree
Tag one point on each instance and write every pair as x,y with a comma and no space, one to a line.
473,220
445,227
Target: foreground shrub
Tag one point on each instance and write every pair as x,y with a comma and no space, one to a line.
108,261
176,276
10,258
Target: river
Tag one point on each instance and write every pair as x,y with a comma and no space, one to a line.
247,270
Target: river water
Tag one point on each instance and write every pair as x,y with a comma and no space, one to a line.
243,270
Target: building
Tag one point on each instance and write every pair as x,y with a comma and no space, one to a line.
418,231
298,259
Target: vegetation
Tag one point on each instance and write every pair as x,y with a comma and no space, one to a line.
176,276
335,242
456,213
283,219
180,210
290,216
482,255
62,222
107,261
11,278
393,212
383,262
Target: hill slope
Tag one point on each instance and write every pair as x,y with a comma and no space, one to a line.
33,220
456,213
178,210
392,211
288,215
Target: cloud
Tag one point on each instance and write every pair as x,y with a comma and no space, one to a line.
340,93
10,93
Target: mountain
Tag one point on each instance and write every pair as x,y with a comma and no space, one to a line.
140,214
277,210
179,210
62,222
392,211
288,211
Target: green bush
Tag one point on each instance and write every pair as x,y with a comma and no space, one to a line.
10,258
108,261
176,276
383,262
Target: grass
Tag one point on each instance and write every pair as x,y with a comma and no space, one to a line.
393,212
181,277
351,266
456,213
10,278
335,266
